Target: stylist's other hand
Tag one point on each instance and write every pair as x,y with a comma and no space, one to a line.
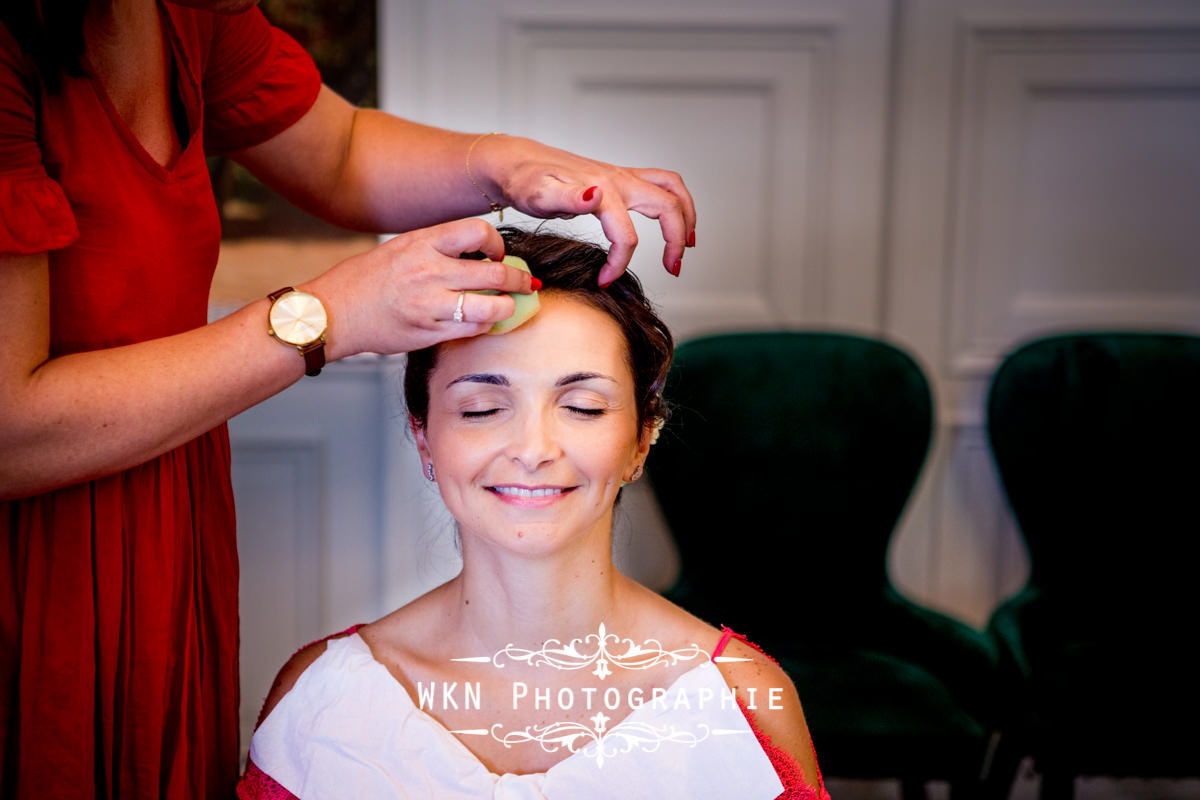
546,182
402,295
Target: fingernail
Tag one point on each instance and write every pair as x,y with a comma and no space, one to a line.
691,240
606,285
534,284
589,193
677,267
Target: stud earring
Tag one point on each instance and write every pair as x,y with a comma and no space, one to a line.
429,472
637,473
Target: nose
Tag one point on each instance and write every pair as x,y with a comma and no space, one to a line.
534,443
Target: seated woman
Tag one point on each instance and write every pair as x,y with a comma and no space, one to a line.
540,671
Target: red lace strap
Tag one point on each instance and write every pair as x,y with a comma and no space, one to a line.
258,785
352,629
728,633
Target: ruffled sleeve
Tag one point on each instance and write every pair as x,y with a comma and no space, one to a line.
35,215
258,82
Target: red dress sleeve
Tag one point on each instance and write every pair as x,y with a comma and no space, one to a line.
258,82
34,213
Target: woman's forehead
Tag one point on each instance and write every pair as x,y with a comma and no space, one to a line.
565,337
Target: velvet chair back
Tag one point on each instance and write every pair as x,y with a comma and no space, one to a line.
790,455
1097,442
782,474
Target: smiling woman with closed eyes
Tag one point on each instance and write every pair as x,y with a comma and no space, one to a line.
529,437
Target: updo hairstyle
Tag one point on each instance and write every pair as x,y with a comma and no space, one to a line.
568,266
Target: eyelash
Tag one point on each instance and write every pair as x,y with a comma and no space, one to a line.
585,412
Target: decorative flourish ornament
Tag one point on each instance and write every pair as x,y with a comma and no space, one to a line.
573,656
601,650
596,742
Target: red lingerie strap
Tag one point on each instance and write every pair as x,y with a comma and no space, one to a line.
728,633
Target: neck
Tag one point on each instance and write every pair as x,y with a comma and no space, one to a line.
113,18
525,600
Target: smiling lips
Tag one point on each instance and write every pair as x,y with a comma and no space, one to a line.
524,495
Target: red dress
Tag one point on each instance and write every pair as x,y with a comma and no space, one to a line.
118,596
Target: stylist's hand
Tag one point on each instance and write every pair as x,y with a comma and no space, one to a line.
402,295
546,182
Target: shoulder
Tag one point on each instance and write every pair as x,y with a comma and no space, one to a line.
772,703
293,669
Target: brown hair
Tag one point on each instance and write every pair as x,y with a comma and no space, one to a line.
570,266
50,32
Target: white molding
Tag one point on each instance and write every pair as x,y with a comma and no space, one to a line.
281,533
1006,65
780,73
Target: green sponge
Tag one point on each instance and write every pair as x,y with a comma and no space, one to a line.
527,304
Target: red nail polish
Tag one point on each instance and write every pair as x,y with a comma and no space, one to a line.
677,267
534,284
691,240
606,285
589,193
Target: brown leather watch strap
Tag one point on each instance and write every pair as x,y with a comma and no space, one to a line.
314,357
313,352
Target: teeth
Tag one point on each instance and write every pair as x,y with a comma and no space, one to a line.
517,491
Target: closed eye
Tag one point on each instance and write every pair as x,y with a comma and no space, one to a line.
479,414
586,412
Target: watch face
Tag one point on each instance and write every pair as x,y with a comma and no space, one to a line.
298,318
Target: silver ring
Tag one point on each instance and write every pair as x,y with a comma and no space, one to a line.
458,312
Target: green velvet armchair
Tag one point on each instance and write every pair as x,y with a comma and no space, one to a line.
1097,441
782,474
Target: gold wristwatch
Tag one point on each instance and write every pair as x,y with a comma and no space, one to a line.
298,320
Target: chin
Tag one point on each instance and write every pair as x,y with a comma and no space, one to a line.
534,539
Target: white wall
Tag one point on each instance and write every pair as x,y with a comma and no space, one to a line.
956,176
1046,157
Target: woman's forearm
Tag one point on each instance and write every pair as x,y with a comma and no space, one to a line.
369,170
90,414
87,414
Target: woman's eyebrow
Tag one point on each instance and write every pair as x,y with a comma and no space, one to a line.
576,377
480,377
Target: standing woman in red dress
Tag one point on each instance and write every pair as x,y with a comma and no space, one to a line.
118,562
